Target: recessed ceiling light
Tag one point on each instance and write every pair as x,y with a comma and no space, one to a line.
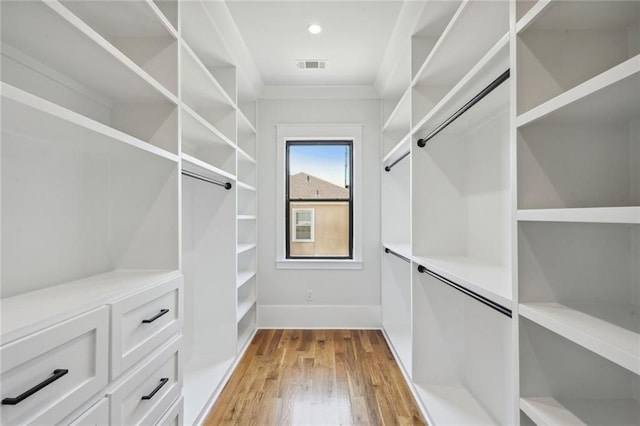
314,29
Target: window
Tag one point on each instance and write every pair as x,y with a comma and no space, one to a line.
303,224
317,132
319,202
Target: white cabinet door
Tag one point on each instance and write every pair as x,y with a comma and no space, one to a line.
174,415
50,373
97,415
142,322
144,395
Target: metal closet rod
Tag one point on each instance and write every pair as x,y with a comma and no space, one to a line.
490,303
386,250
494,84
402,157
226,185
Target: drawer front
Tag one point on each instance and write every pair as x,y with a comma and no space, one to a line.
97,415
175,415
145,394
142,322
65,365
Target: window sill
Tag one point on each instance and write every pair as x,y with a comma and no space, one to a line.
318,264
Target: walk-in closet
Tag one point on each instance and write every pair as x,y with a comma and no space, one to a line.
297,212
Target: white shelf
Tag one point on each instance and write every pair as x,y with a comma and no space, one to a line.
615,343
245,276
574,412
475,27
452,405
434,19
199,85
198,166
28,312
164,18
244,125
246,167
137,29
401,338
397,83
486,279
75,50
244,157
204,142
548,411
203,377
207,43
487,69
399,149
399,248
245,247
246,135
531,15
246,186
400,115
612,96
123,19
629,215
247,217
197,128
569,43
592,15
245,306
245,335
26,114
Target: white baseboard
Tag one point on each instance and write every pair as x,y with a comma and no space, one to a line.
319,316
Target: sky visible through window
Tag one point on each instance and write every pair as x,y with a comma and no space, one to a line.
326,162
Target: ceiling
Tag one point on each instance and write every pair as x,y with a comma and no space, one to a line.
354,39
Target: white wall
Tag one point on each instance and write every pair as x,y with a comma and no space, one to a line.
341,298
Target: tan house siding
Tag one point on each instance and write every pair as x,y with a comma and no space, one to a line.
331,222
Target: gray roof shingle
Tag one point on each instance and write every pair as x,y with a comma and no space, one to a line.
306,186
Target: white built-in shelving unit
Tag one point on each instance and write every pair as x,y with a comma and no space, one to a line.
448,215
90,209
514,290
396,223
109,110
578,142
71,148
220,141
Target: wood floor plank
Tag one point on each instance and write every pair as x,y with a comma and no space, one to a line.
316,377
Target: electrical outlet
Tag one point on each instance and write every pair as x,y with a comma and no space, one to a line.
308,295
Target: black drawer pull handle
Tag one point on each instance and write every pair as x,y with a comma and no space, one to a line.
158,315
56,375
163,382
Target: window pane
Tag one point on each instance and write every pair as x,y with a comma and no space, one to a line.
303,217
319,199
319,172
303,232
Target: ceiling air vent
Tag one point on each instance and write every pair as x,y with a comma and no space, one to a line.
311,64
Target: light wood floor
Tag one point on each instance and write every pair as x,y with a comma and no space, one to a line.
316,377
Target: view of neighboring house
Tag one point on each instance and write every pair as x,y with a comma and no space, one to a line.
319,217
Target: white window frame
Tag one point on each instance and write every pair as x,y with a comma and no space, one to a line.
295,224
319,132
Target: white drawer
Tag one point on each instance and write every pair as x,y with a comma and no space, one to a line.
97,415
141,322
145,394
68,361
174,415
